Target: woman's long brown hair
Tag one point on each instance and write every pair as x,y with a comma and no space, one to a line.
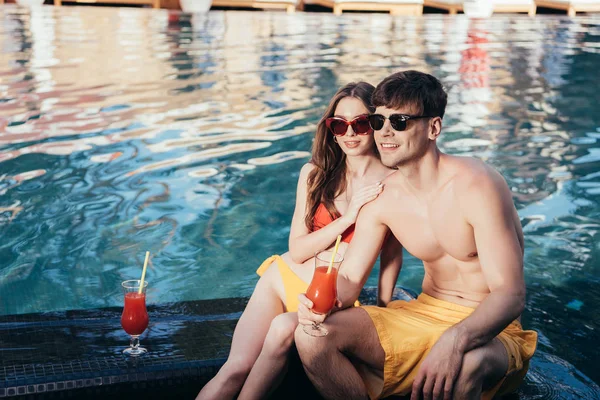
328,179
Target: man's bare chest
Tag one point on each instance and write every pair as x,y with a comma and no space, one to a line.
432,232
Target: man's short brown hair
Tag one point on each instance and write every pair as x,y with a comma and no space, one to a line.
415,89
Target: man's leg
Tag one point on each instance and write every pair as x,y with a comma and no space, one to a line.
326,359
482,369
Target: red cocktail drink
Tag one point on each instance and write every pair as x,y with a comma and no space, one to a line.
323,290
135,317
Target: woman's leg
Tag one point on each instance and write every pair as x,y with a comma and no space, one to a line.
248,338
271,365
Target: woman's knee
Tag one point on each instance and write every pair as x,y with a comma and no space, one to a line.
281,334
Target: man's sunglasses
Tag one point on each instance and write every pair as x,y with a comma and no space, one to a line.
398,121
338,125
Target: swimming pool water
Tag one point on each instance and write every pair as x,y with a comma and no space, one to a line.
125,130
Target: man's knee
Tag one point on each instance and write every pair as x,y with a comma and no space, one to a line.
309,347
470,379
481,368
302,340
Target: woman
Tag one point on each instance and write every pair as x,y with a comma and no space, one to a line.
344,174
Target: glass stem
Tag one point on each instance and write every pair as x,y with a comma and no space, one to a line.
135,341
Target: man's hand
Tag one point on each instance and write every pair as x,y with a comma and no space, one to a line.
438,372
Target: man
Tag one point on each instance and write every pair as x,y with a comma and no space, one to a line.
461,338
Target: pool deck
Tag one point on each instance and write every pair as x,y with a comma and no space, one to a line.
81,350
77,354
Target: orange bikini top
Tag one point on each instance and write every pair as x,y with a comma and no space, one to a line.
322,219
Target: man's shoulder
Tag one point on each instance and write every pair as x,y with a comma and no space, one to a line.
377,209
394,188
473,175
478,184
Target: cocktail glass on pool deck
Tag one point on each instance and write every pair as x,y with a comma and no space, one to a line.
322,290
134,319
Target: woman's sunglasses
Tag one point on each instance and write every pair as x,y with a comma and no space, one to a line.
398,121
338,125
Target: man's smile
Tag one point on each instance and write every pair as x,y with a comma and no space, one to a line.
389,146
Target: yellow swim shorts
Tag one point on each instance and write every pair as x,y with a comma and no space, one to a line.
408,329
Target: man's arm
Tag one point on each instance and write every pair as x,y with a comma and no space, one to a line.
357,265
390,266
361,254
490,211
487,205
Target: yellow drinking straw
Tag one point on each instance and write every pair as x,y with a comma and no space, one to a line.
144,272
337,243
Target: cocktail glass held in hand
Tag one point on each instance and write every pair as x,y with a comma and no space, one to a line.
322,290
135,317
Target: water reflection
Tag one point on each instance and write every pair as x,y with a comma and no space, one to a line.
130,130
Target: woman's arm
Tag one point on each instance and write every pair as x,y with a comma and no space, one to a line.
304,244
390,266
